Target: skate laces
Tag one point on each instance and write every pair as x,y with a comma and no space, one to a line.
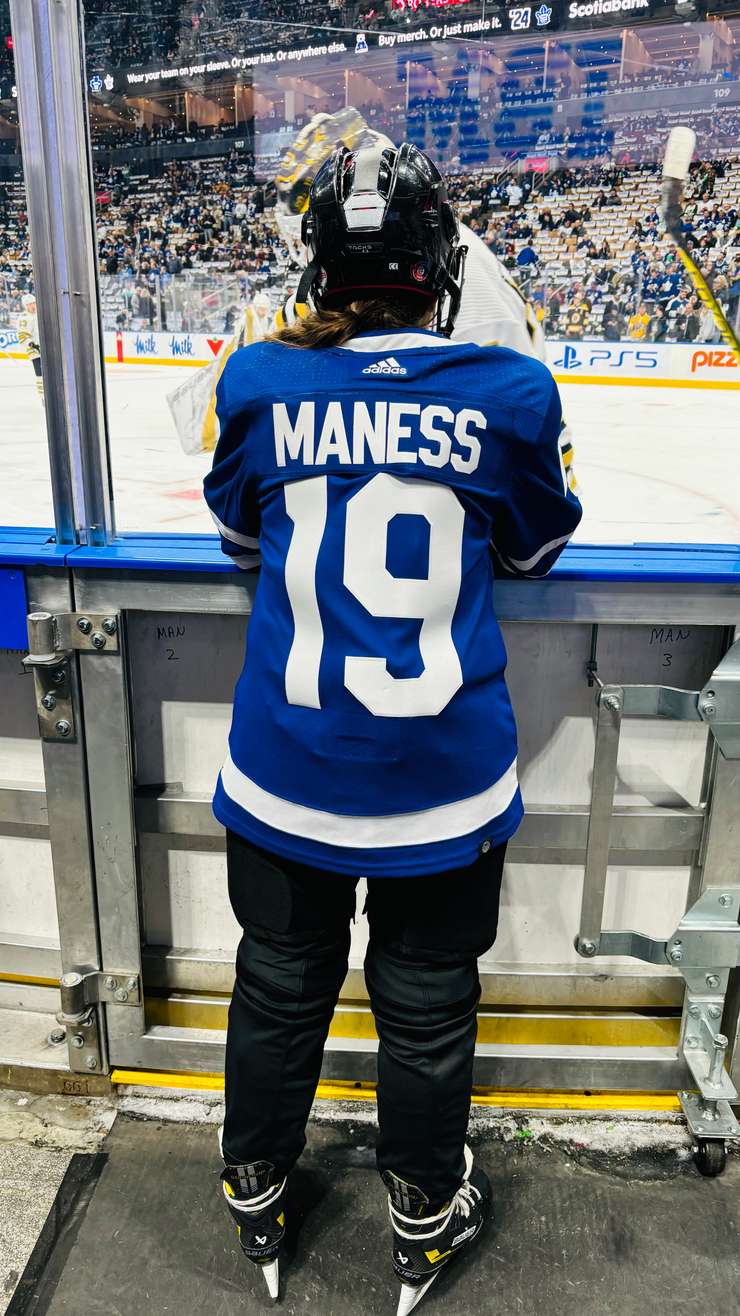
465,1199
260,1202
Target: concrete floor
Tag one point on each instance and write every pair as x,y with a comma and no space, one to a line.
39,1135
579,1230
29,1181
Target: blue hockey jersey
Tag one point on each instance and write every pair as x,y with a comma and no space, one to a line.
378,485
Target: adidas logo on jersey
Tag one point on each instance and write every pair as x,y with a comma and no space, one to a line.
390,366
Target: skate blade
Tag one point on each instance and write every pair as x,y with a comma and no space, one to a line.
411,1295
271,1272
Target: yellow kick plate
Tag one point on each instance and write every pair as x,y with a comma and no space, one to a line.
512,1029
504,1098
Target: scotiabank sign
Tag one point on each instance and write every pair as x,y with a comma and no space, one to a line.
604,11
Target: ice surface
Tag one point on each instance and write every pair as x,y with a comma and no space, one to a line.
654,464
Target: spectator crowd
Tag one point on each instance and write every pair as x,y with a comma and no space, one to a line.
552,235
182,245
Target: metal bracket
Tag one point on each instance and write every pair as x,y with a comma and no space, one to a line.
83,1041
81,994
704,1050
706,944
635,944
708,1119
704,948
52,638
719,703
81,990
51,634
708,937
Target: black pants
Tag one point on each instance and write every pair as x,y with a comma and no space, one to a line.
426,934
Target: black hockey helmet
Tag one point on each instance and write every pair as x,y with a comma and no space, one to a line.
379,219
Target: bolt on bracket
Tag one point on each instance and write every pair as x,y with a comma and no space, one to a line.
84,1042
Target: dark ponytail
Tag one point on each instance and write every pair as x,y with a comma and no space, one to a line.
332,328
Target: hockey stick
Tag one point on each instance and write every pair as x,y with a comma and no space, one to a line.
679,152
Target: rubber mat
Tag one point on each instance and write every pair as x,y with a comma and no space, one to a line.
47,1260
145,1231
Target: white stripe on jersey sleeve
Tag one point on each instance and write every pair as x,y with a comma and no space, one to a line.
423,827
247,562
527,564
246,541
243,560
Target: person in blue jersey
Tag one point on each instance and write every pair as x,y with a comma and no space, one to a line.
381,475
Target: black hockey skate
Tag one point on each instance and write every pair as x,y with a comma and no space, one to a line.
256,1201
424,1244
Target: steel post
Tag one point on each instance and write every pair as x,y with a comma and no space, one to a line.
609,721
65,774
110,773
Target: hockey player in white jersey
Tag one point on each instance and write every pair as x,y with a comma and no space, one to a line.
193,403
28,333
380,473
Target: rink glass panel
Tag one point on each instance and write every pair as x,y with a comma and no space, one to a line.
29,938
186,152
25,486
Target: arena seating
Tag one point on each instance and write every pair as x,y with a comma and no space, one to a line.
620,209
184,249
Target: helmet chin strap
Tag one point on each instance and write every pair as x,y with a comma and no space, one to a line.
308,279
452,286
